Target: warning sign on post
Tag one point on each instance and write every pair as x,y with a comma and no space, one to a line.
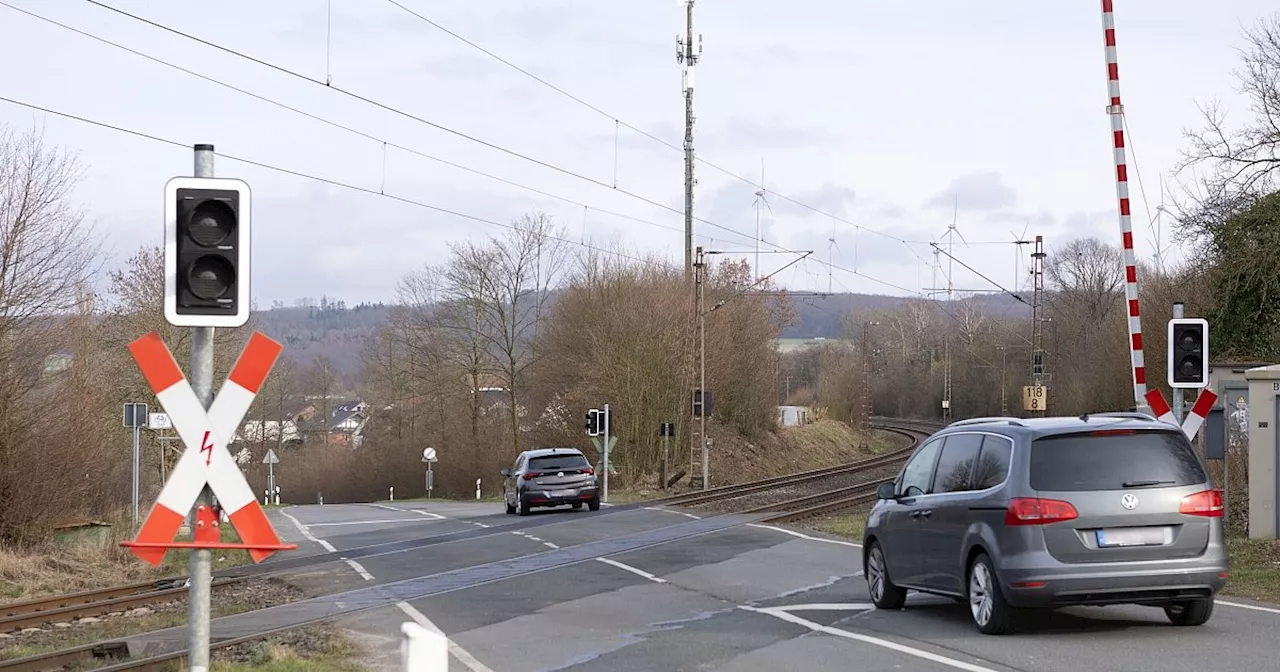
1035,398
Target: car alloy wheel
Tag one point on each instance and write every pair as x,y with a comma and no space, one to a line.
875,573
980,599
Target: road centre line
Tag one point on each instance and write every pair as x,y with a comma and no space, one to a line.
367,522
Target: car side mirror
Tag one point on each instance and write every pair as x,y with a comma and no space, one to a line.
506,472
886,491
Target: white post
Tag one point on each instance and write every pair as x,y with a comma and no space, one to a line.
607,438
393,493
477,489
422,650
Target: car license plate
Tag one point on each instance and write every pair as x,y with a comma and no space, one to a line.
561,493
1131,536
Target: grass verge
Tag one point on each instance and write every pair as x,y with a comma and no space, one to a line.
61,568
1255,568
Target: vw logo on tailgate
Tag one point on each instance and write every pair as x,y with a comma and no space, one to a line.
1129,501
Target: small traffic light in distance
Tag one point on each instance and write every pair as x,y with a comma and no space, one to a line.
1188,352
207,237
593,422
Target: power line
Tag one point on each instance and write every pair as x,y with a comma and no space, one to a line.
632,127
413,117
978,273
329,181
338,125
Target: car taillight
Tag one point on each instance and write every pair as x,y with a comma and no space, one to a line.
1037,511
589,471
532,475
1207,503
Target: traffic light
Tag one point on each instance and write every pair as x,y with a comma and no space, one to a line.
206,254
1188,352
593,422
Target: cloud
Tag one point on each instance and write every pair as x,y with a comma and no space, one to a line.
829,198
976,191
772,134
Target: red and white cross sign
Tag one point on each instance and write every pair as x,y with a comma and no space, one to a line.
206,435
1194,420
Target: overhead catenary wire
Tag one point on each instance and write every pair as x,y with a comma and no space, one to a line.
330,181
423,154
350,129
632,127
467,136
413,117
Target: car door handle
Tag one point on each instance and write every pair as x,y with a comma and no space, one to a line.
921,514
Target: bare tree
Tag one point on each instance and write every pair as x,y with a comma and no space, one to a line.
47,256
1243,162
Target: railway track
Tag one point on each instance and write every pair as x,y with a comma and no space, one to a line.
111,600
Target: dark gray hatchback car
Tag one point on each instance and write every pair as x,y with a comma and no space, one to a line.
550,477
1005,514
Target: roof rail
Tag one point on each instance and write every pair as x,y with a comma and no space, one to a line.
984,421
1120,414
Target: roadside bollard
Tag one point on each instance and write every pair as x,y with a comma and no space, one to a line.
422,650
393,493
477,489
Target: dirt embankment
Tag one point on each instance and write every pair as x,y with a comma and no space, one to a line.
735,458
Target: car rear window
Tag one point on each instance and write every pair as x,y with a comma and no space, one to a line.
1107,461
557,462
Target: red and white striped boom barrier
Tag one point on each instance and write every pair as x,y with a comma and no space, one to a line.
1116,111
206,460
1194,420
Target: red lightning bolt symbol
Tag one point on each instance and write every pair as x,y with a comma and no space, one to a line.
206,446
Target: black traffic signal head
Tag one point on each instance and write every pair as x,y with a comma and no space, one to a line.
593,422
207,252
1188,352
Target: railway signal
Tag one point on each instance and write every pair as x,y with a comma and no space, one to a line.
1188,360
207,235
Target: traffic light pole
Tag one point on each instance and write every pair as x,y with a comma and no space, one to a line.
607,437
200,563
1178,398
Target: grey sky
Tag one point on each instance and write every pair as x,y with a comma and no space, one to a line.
882,113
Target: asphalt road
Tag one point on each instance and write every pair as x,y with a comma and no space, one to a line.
746,598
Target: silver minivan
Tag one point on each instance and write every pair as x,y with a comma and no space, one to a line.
1005,514
550,477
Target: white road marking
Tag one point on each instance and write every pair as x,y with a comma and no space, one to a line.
804,536
367,522
303,529
827,606
457,651
633,570
1252,607
678,513
895,646
417,511
550,545
364,574
477,524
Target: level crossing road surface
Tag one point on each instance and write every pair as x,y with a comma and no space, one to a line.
749,597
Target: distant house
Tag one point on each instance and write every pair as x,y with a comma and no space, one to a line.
348,421
56,363
270,431
494,394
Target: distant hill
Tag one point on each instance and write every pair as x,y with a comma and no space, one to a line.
329,327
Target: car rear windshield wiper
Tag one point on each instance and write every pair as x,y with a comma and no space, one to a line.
1143,484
